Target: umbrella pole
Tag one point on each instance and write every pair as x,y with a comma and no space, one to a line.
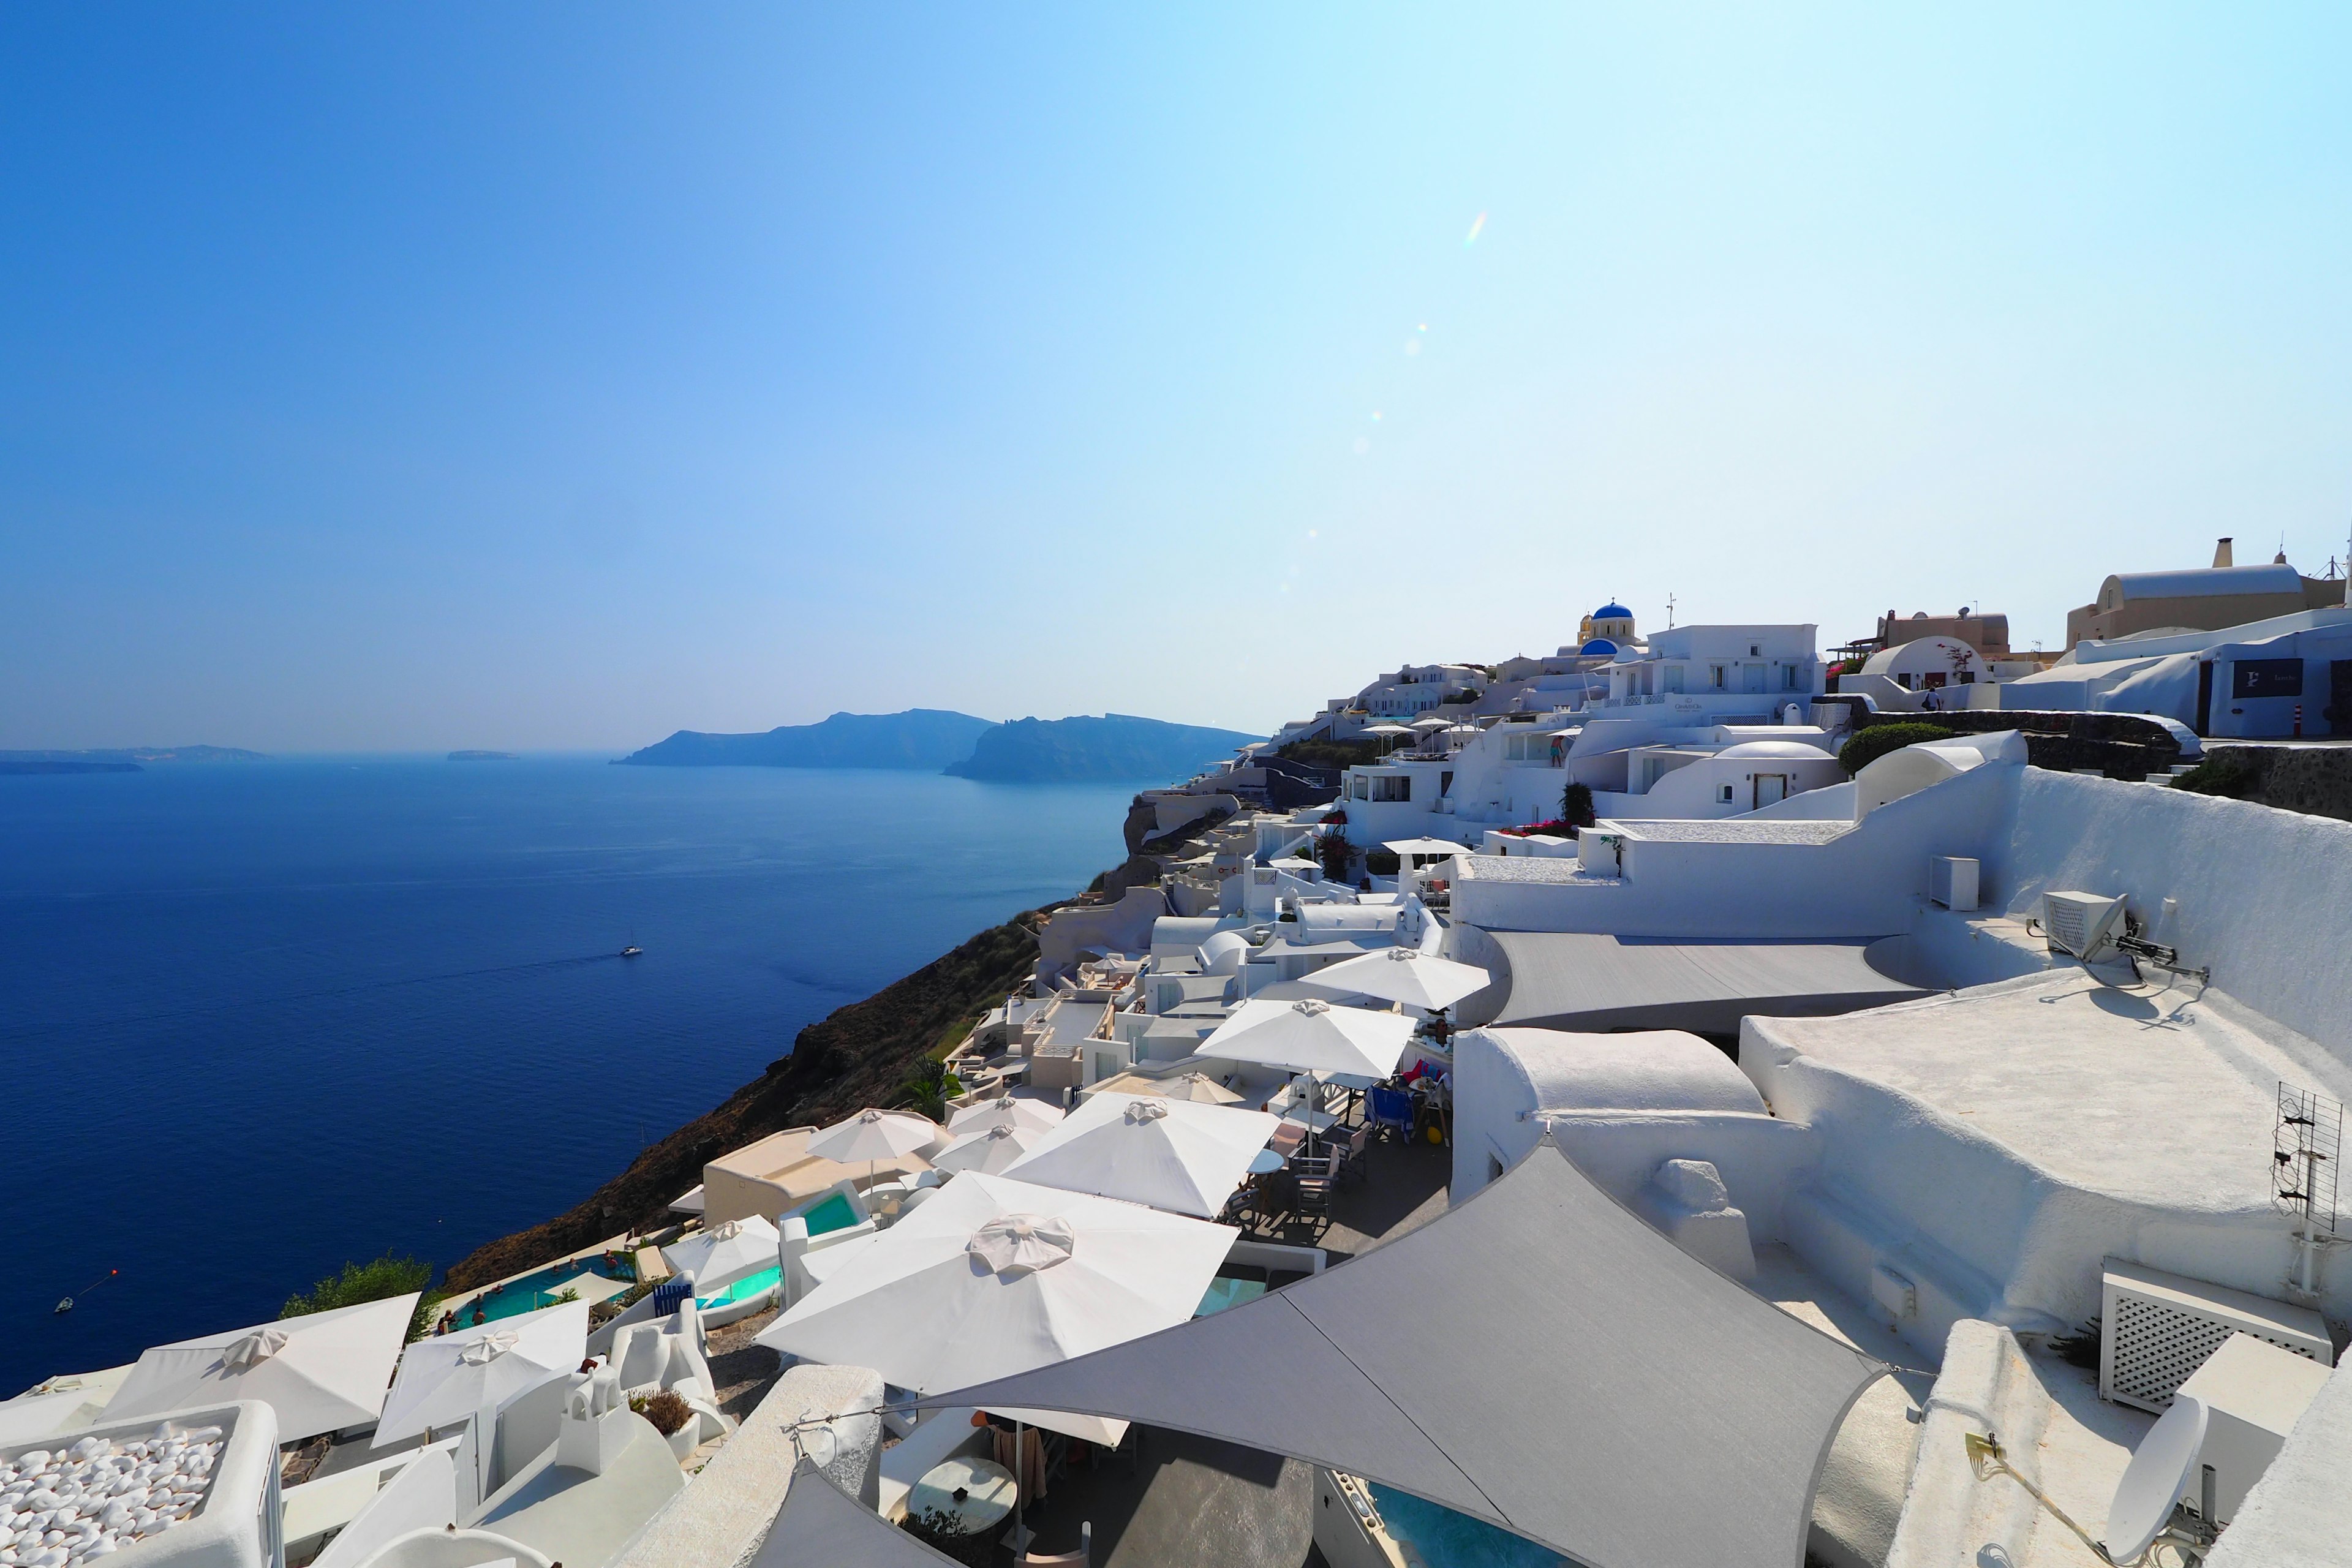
1020,1486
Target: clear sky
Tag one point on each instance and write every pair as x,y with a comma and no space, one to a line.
390,376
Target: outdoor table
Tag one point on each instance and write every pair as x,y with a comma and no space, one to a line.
1265,1163
987,1494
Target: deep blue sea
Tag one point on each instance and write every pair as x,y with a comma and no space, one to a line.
260,1020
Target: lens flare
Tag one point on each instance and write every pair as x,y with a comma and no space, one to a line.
1476,223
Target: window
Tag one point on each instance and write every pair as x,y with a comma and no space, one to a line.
1715,676
1363,787
1674,678
1789,681
1723,792
1392,786
1756,651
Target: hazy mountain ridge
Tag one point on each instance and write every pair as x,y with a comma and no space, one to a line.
923,739
1114,746
115,759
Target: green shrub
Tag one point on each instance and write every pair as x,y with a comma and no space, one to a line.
1576,804
666,1410
1381,862
929,1088
1869,745
2231,777
387,1276
1333,851
1332,754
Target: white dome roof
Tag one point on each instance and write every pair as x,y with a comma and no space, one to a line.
1777,749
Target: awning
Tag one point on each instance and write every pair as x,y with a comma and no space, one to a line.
821,1526
1595,1389
1588,982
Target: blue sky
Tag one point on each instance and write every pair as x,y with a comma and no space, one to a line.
417,376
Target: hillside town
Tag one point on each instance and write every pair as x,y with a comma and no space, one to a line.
1696,1099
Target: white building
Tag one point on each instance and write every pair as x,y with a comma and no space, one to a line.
1721,674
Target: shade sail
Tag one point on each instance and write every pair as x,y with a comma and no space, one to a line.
1425,847
1310,1036
993,1276
1012,1110
988,1147
451,1377
320,1371
728,1251
1403,975
1589,982
1168,1153
821,1526
1596,1389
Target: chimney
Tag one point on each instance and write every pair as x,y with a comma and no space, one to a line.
2222,551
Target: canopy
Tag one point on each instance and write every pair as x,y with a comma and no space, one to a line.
727,1252
450,1377
320,1372
1430,721
989,1147
821,1526
1591,983
1425,846
993,1276
1386,729
1199,1087
1016,1110
872,1135
1596,1389
1168,1153
1403,975
1310,1036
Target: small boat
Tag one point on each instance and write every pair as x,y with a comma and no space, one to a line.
64,1306
632,951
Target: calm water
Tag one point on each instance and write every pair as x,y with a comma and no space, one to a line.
261,1020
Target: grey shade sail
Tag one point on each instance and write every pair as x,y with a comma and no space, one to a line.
1589,1386
1589,983
821,1526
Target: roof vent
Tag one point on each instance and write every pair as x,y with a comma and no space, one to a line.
2154,1328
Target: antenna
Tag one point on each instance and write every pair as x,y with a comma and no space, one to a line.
2304,1148
1670,612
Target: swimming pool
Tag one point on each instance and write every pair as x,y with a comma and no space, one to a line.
742,1290
829,1214
1446,1539
532,1292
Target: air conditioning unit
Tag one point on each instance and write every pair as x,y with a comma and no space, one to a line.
2083,925
1952,881
2156,1329
2254,1395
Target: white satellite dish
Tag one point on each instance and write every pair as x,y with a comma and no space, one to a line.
2160,1471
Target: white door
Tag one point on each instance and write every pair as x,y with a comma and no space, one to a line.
1771,788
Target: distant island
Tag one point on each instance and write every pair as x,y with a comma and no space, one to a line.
1116,746
923,740
125,760
484,757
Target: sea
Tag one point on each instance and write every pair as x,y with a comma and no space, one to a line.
261,1020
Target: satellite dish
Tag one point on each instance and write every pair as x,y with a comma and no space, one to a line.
2159,1471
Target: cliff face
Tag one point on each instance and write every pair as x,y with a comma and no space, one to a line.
857,1057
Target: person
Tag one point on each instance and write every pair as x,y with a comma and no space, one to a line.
479,1317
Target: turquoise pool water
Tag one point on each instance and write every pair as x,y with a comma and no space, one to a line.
1449,1540
829,1215
532,1292
1224,1293
737,1290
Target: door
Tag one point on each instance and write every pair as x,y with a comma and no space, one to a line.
1751,677
2204,696
1771,789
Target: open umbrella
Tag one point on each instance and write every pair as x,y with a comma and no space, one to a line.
723,1254
1311,1035
994,1276
873,1136
1169,1153
988,1148
1198,1088
1020,1111
1402,974
457,1377
319,1371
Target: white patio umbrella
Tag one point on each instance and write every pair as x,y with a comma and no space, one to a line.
1198,1088
319,1371
1171,1154
725,1253
1431,722
993,1276
873,1136
1016,1110
988,1147
450,1377
1386,729
1402,974
1312,1036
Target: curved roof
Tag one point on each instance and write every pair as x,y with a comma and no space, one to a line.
1641,1070
1777,749
1613,611
2203,581
1929,650
1598,645
1590,982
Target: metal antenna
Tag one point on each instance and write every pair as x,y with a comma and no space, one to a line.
2305,1146
1670,612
